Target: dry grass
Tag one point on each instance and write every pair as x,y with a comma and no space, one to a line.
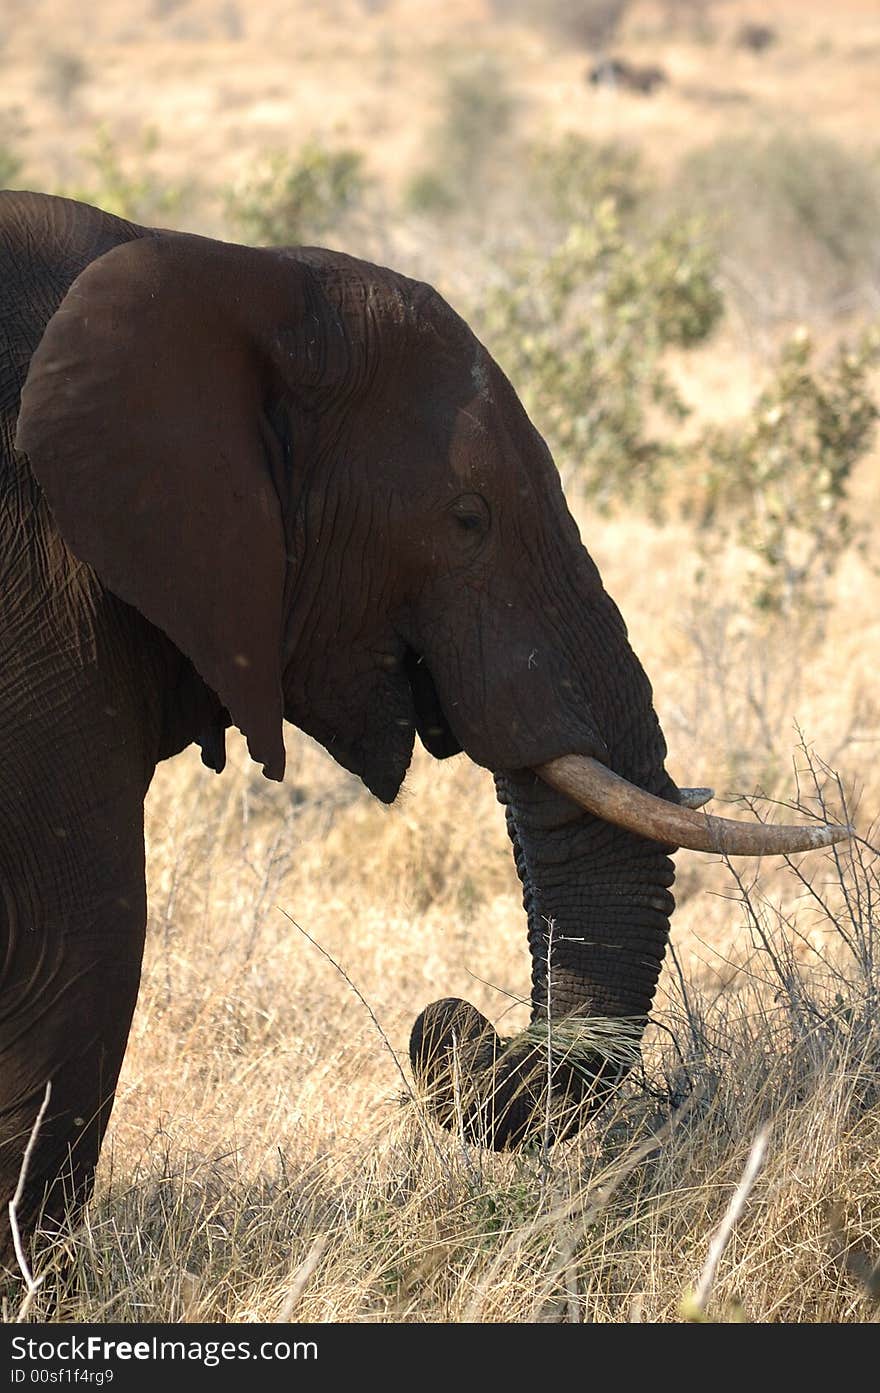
211,1215
265,1113
266,1158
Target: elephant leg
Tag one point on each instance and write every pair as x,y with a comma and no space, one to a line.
65,1013
85,688
72,926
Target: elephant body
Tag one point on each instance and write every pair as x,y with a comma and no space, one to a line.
240,486
91,697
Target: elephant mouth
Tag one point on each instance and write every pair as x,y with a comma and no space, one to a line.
433,728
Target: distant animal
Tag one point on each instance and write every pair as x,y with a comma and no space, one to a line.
243,486
619,73
756,37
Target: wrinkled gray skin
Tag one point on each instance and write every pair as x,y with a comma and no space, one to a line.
241,486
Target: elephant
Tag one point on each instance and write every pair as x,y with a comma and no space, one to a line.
240,486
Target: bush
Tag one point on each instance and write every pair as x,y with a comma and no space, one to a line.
797,219
778,482
569,177
125,185
583,334
10,167
64,73
292,200
590,24
430,192
478,111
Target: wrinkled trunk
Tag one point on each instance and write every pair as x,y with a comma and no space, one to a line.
598,904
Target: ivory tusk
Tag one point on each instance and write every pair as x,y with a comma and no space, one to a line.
594,787
695,797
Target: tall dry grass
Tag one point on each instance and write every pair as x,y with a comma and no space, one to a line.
267,1158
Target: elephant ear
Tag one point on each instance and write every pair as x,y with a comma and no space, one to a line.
143,417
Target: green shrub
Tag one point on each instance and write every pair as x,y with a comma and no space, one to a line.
296,199
430,192
479,109
570,176
10,168
125,184
583,333
778,482
797,218
478,112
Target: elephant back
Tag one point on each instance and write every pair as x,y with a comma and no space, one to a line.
45,242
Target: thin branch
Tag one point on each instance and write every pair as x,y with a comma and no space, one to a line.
32,1285
302,1276
374,1018
696,1306
548,1104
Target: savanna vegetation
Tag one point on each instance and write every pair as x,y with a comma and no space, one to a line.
684,287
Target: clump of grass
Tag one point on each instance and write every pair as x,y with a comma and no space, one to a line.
10,167
125,181
796,216
294,199
571,176
470,137
65,72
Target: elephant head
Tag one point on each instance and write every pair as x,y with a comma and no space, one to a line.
311,476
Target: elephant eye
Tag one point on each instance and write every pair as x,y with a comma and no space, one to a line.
470,513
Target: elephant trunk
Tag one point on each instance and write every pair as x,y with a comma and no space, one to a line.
598,903
592,832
